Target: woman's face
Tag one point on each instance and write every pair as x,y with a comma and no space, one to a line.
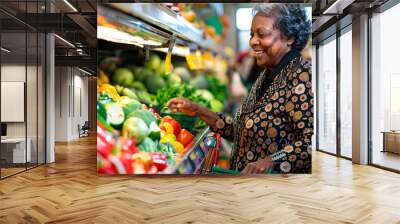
267,42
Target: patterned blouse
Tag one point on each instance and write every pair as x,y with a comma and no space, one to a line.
276,119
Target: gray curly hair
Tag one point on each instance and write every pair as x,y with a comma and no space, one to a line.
291,20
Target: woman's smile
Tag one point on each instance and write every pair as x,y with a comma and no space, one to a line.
259,53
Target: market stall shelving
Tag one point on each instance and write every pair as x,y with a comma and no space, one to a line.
163,19
134,30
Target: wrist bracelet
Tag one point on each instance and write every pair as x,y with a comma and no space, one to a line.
278,156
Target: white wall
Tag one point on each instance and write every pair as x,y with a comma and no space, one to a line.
61,103
71,94
34,125
15,73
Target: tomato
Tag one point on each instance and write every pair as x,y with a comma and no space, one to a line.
185,137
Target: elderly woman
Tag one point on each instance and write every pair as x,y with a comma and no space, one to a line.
274,126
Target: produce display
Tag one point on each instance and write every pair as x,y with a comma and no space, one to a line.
136,134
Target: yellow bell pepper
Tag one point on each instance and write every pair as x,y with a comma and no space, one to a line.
102,78
110,90
178,147
168,138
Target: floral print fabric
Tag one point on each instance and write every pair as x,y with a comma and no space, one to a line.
278,123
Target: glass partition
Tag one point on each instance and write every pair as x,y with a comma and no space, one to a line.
22,88
14,153
327,96
385,89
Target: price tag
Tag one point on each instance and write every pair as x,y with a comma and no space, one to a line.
194,60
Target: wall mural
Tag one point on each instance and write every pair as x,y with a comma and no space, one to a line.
167,102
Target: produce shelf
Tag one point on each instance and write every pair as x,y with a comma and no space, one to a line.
161,19
128,30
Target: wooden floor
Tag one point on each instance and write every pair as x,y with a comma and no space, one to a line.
10,171
70,191
5,172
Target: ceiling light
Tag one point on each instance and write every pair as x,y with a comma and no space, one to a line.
5,49
330,8
70,5
114,35
65,41
338,6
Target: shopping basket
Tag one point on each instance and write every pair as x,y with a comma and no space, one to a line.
212,157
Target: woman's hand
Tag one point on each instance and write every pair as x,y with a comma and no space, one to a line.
259,166
183,105
192,109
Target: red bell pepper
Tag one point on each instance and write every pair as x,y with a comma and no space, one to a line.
127,161
176,126
124,151
127,145
104,166
118,163
184,137
159,160
105,142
